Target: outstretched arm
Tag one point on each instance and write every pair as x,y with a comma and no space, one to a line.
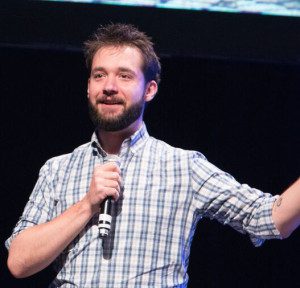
286,210
36,247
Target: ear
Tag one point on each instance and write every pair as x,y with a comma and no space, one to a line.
151,90
88,88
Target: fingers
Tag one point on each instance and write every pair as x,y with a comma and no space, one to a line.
105,182
109,192
107,187
109,166
113,174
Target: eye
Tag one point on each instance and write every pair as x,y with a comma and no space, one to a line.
98,75
125,76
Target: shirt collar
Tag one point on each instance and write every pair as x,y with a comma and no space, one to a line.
133,143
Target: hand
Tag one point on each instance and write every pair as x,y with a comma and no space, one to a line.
106,182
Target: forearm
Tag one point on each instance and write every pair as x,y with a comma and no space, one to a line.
36,247
286,210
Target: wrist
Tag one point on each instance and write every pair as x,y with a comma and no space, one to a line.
87,207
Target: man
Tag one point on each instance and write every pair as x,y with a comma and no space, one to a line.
160,192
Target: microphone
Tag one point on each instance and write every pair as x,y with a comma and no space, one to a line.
104,224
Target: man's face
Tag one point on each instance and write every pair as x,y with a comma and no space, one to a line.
117,90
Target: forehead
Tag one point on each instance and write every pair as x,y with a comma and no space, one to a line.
122,56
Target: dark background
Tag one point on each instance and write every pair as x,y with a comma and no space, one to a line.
230,89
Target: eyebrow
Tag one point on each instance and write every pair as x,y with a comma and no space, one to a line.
96,69
120,69
125,69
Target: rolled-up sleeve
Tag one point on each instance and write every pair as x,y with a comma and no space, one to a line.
39,206
221,197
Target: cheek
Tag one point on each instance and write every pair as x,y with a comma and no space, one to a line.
92,97
134,93
93,90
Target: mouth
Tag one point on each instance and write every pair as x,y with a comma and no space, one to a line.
110,106
110,102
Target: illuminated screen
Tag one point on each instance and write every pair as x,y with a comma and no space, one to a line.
271,7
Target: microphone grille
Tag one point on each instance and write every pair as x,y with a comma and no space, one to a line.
112,158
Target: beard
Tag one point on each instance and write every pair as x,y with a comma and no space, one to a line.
118,122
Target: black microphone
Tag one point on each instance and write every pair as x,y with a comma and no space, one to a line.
105,217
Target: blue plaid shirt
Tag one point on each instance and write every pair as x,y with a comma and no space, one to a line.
165,192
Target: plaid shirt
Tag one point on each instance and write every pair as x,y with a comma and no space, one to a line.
165,192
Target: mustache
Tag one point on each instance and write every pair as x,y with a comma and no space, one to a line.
110,100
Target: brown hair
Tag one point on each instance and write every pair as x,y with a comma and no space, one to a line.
124,35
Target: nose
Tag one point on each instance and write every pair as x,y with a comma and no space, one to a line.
110,86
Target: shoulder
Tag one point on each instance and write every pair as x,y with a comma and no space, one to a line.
193,160
163,149
62,161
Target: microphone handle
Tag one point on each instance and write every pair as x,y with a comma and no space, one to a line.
105,207
105,217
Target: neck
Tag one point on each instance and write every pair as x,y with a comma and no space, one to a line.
111,141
